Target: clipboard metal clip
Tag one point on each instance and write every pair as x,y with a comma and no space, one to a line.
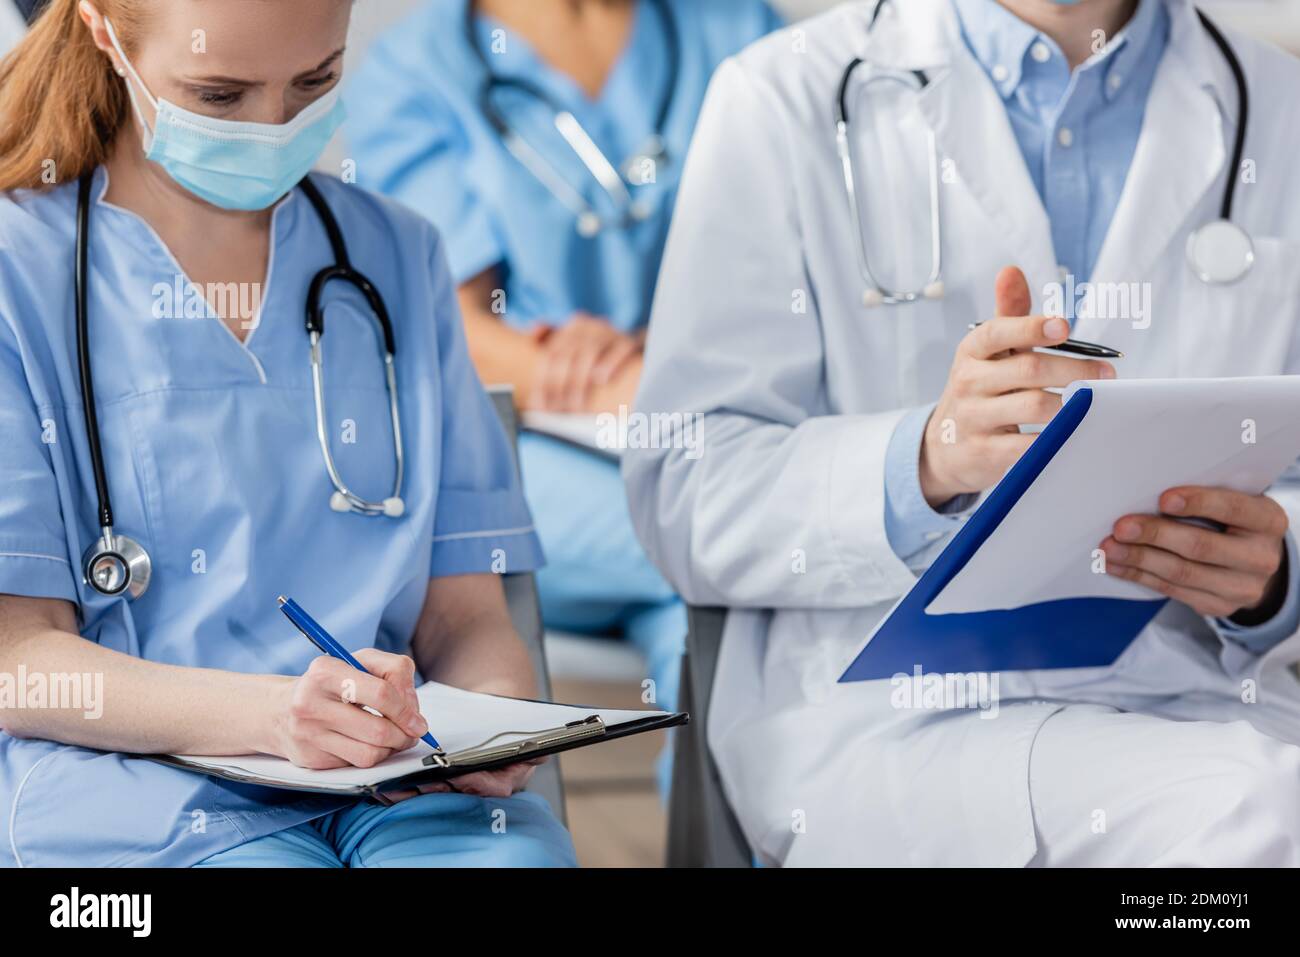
489,753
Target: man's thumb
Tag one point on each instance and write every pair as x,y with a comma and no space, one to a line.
1011,293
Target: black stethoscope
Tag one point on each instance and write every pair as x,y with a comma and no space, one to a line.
116,564
636,170
1218,252
30,9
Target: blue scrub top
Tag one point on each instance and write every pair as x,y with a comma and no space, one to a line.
418,134
214,466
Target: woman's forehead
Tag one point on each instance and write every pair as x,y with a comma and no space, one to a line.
245,39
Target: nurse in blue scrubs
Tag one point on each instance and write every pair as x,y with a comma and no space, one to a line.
201,249
555,235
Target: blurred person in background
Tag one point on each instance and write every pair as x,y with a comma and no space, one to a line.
545,139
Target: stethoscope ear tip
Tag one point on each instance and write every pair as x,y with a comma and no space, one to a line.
339,503
934,290
872,298
394,507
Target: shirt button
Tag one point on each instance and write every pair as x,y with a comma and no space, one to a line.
1064,136
1000,73
1040,52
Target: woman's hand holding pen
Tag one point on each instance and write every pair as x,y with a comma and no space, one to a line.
996,385
316,722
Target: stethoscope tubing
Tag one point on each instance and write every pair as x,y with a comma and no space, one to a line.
844,148
1243,112
593,159
130,554
104,515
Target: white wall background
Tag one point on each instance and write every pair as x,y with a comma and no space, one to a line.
1278,20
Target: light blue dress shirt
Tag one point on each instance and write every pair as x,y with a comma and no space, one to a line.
213,462
1078,131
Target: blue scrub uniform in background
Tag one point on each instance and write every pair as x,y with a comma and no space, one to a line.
418,134
213,463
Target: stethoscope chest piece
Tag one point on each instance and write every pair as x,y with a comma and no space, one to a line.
1220,252
114,565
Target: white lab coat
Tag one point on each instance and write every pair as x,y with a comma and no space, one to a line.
759,324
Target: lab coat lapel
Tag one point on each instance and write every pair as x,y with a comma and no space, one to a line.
1179,156
973,133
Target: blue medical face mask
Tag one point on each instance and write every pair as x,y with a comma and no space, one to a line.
233,165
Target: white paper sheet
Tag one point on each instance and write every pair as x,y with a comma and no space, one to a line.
1139,438
607,436
458,719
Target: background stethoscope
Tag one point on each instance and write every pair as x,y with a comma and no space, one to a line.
615,182
115,564
1219,251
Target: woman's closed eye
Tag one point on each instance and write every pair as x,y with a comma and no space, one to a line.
217,96
226,98
319,82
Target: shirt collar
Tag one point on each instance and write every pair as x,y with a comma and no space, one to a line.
1000,42
1129,45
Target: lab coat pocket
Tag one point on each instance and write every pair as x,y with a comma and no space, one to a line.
1245,327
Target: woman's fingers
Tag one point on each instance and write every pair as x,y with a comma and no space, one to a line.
356,753
615,358
363,727
580,374
555,377
585,353
500,783
336,679
397,797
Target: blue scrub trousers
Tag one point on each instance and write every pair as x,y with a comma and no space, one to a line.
432,830
597,579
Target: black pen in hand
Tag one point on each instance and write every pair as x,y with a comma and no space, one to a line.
1079,348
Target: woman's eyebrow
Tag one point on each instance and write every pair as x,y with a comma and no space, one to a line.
217,79
324,64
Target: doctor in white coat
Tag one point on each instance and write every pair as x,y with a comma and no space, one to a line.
1079,143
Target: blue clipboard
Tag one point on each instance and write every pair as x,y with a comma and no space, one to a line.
1069,633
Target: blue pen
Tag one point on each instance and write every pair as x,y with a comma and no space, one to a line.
323,640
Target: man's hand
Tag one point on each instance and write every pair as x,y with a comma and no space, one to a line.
578,358
1239,571
996,385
